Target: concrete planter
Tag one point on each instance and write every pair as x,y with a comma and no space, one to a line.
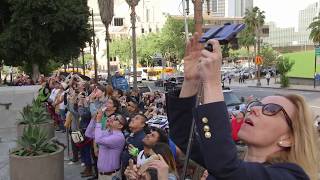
44,167
47,127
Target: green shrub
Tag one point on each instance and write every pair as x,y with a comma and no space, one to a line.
34,142
35,114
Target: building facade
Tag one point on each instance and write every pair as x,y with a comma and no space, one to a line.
283,37
151,17
228,8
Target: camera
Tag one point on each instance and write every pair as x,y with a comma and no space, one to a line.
224,34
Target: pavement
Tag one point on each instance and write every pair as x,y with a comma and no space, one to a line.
273,84
20,97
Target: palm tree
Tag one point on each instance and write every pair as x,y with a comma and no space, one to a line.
246,39
315,30
254,19
106,8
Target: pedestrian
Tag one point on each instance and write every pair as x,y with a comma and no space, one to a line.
134,139
268,76
278,130
111,142
229,78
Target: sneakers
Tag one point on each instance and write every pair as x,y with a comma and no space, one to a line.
71,163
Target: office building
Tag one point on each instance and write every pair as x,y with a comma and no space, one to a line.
228,8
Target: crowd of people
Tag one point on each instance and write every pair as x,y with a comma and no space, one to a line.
110,128
18,80
126,135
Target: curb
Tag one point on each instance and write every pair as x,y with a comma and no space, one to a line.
310,90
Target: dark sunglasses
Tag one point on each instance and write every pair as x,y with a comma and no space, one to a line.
270,109
119,119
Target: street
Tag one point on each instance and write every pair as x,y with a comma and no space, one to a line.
312,97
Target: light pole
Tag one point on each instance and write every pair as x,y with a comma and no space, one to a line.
133,4
94,50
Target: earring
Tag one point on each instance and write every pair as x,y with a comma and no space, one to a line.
280,143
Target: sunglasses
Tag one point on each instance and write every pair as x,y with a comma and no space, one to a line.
118,118
270,109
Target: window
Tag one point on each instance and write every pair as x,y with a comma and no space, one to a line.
150,30
214,5
118,21
147,15
142,30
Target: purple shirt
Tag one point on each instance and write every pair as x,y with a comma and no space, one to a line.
111,145
90,129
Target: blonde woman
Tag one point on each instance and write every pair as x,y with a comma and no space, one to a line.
278,130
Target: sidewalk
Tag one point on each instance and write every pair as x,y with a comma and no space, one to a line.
20,96
253,83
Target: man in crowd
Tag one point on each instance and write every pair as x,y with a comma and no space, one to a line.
111,142
155,136
136,126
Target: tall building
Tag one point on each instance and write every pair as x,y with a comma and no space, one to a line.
282,37
305,18
228,8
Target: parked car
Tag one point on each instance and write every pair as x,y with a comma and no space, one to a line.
231,99
173,83
159,83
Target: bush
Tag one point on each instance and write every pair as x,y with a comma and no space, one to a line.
284,65
35,142
284,81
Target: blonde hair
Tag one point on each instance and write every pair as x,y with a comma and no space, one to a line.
304,149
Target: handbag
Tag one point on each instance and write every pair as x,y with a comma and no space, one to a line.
77,137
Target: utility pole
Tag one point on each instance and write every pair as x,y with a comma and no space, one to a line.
186,30
94,50
133,4
198,19
83,64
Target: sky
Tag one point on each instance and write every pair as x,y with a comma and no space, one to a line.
283,12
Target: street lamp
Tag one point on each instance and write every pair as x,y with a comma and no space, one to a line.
133,4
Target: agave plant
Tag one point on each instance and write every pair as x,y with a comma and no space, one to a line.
35,114
34,142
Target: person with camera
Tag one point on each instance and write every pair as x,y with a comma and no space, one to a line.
160,165
278,130
111,142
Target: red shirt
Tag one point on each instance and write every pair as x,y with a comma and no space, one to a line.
235,127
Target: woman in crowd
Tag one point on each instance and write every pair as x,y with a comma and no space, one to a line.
162,161
278,129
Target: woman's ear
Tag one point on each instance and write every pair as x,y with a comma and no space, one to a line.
285,141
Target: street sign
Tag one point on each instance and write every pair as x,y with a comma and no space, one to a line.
258,60
317,51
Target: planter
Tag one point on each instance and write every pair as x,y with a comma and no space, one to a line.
47,127
44,167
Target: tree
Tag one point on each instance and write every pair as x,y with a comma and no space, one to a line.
269,56
246,39
106,8
315,30
254,19
173,39
5,14
41,30
284,65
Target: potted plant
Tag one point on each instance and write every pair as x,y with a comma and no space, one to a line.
37,157
33,115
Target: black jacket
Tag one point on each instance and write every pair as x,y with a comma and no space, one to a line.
218,153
